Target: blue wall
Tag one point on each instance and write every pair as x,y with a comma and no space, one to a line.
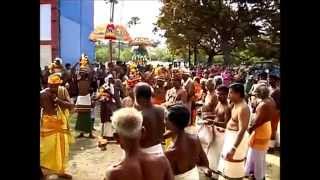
76,24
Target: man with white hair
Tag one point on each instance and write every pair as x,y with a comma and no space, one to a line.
260,130
137,164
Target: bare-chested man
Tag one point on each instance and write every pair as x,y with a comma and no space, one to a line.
84,123
222,115
177,94
137,164
186,153
260,130
275,94
153,119
189,86
206,130
211,99
235,144
54,140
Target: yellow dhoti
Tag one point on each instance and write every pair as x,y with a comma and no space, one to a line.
54,142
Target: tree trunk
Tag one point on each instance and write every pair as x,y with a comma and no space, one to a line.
189,55
210,58
226,52
195,55
110,50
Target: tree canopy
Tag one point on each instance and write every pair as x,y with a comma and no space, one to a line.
220,27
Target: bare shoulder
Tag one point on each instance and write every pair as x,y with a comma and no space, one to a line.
159,108
244,108
194,138
170,153
164,160
113,172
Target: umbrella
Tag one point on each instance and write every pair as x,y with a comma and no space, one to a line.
141,41
118,32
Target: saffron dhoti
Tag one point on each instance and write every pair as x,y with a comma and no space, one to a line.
54,142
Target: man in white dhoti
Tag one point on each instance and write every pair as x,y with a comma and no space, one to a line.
186,153
222,115
235,145
153,119
136,164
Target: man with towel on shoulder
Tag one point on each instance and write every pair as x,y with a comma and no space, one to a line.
235,146
137,164
186,153
260,133
153,119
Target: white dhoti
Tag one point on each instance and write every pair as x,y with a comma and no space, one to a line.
156,149
83,103
214,151
233,169
192,174
84,100
107,129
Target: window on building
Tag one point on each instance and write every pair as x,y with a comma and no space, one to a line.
45,22
45,55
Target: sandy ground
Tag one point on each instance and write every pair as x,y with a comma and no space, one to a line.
88,162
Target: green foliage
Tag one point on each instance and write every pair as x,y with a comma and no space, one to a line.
126,54
219,27
160,54
102,53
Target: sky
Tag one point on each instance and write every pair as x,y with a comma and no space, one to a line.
146,10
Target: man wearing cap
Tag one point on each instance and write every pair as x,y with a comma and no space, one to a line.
55,132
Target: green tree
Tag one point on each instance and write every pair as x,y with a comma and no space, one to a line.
217,27
160,54
126,54
102,53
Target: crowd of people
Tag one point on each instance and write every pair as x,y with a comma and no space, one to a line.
149,111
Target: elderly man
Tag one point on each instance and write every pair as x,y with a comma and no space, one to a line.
137,164
55,132
260,130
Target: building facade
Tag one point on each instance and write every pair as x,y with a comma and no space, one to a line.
49,31
76,24
65,26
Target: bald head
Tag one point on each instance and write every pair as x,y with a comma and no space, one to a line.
127,122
